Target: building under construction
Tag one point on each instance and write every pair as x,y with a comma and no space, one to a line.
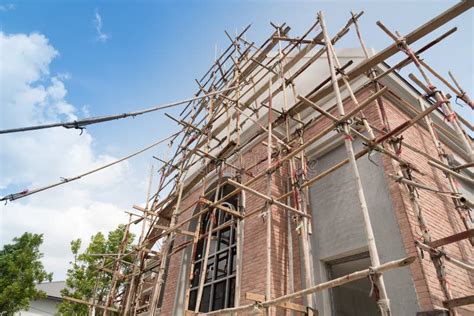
309,179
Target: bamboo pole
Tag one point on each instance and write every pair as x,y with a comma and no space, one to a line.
395,264
460,92
430,88
130,291
268,210
383,302
116,268
266,198
239,229
451,172
299,201
76,300
208,247
422,186
164,256
456,262
448,172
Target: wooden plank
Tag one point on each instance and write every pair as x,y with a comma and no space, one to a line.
460,301
288,305
453,238
254,297
293,306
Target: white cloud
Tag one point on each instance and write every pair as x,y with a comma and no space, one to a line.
31,95
101,36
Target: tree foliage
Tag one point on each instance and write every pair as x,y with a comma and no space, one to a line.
84,276
20,269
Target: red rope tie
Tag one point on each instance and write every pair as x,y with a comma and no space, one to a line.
445,280
420,239
276,164
456,183
451,117
431,87
349,137
398,152
192,139
439,103
24,192
374,290
412,55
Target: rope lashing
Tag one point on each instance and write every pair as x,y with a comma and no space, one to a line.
374,290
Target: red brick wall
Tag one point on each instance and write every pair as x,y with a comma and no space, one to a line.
440,214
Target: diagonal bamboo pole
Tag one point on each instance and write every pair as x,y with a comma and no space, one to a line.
383,301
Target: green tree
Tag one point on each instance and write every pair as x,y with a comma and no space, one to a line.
20,269
85,277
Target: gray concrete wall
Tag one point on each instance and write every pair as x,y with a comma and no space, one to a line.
338,229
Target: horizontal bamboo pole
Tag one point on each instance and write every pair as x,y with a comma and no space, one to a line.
420,185
454,261
317,288
451,172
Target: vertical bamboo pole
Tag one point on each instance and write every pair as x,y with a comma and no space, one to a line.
131,287
268,276
94,291
116,267
383,302
197,231
138,277
426,235
289,183
157,289
241,200
299,195
208,245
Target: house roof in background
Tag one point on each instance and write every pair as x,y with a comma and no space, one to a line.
52,289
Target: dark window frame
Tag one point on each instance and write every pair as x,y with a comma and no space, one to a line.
215,253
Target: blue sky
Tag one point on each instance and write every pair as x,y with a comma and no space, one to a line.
156,48
150,53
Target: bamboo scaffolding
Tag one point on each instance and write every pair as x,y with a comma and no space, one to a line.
317,288
231,97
